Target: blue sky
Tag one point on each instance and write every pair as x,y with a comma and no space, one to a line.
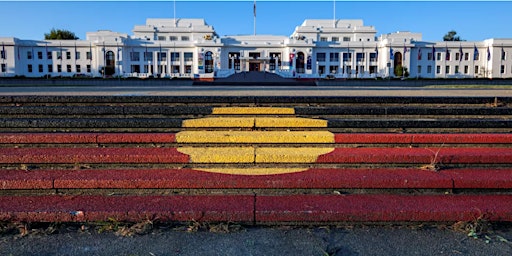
473,20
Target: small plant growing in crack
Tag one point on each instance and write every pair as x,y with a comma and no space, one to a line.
435,164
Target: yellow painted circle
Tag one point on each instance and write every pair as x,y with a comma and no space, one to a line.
237,146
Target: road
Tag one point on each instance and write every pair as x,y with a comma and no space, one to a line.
251,91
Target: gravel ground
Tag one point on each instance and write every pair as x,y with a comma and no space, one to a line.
238,240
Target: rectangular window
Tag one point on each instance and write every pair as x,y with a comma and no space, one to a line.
29,68
135,68
3,54
29,55
68,68
162,56
457,55
68,55
360,56
50,68
448,55
476,70
161,38
146,69
320,56
346,39
438,56
175,69
347,56
419,69
323,39
59,55
49,55
188,69
88,55
335,39
162,69
173,38
373,56
456,69
40,67
78,68
438,69
77,55
349,69
447,68
429,69
40,55
188,56
4,68
466,69
429,56
502,69
88,68
59,68
334,57
175,56
333,69
373,69
185,38
134,56
466,56
148,56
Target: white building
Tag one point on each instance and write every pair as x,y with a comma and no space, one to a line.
191,48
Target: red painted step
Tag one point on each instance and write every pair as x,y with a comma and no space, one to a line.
361,138
311,179
383,208
75,138
239,208
339,155
419,155
260,209
91,155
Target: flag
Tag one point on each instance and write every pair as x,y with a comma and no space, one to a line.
488,53
18,52
460,53
90,51
75,52
391,57
405,50
46,50
447,54
160,54
502,53
475,53
33,57
419,54
376,53
60,51
254,9
3,51
433,52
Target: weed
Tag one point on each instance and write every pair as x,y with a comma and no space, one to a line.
434,164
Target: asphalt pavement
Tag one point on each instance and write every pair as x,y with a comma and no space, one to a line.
283,240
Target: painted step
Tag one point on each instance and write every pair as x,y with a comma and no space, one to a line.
314,178
182,155
258,209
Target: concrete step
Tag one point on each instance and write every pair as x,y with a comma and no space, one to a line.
258,209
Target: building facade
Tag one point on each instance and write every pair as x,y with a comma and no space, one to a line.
190,48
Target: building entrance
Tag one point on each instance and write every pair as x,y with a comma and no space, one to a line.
254,66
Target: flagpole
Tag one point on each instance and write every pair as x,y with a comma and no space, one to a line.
334,14
254,14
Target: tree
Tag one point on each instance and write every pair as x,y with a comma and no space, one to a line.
59,34
450,36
